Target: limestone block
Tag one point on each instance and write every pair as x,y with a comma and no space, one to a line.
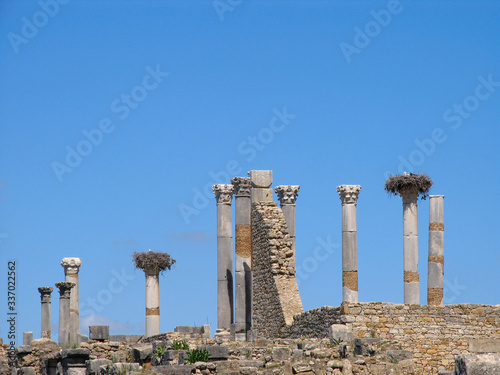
99,332
261,179
93,365
23,349
484,345
280,354
340,331
217,352
251,363
262,195
174,369
27,338
399,355
27,371
477,364
364,346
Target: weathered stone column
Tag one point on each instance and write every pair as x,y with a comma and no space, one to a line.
64,312
287,195
410,246
152,301
71,268
261,181
349,197
436,250
243,258
45,292
224,195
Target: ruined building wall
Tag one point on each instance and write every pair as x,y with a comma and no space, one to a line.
276,296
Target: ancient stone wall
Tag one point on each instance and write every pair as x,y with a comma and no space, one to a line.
276,296
312,323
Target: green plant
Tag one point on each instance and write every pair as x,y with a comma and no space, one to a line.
336,341
159,351
197,355
180,345
248,354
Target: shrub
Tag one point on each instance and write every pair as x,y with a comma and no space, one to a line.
197,355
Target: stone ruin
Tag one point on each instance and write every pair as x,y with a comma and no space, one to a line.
264,329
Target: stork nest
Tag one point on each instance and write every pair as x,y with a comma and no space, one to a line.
419,182
153,260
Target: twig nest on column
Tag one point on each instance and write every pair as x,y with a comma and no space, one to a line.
420,183
153,260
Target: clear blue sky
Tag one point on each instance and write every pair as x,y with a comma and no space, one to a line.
179,95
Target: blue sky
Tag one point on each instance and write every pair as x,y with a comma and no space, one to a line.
118,116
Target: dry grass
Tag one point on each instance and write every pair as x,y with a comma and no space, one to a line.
419,182
153,260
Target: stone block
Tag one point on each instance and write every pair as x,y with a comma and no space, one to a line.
23,349
262,195
99,332
206,333
477,364
129,339
93,365
124,368
217,352
251,363
142,353
174,369
340,331
399,355
365,346
228,367
27,371
261,179
484,346
27,338
280,354
81,338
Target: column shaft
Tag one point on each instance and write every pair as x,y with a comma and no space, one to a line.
71,269
64,313
45,292
435,273
152,303
349,197
410,247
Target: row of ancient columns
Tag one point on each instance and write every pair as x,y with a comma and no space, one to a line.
255,188
68,305
349,196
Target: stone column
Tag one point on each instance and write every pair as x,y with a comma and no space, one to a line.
410,246
436,250
71,269
349,197
64,312
243,258
152,301
224,195
45,292
287,194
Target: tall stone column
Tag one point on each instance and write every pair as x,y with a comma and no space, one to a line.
45,292
152,301
224,195
410,246
71,269
287,195
243,258
349,197
64,312
436,250
261,181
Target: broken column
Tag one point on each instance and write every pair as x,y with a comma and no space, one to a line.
64,312
224,195
287,195
45,292
243,260
71,268
349,197
436,250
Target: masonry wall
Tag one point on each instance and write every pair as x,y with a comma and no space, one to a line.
275,293
434,334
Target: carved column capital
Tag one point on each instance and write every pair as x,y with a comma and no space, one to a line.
287,194
65,288
71,265
45,292
242,186
349,193
223,193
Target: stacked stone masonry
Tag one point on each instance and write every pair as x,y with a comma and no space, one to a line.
276,298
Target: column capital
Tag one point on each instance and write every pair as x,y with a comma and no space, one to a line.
45,292
242,186
409,195
71,265
349,193
287,194
223,193
65,288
